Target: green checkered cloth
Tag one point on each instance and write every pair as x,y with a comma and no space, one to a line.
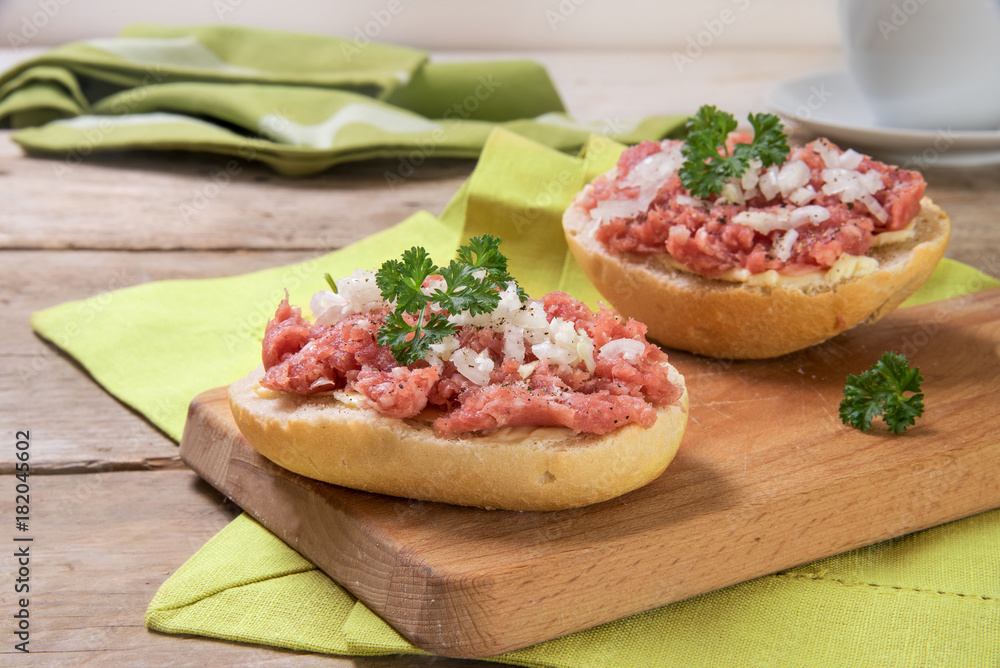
299,103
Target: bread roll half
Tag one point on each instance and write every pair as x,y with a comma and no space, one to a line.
729,319
336,438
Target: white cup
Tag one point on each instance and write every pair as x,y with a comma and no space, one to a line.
926,64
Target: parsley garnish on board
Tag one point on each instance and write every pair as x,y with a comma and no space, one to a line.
705,170
472,283
880,391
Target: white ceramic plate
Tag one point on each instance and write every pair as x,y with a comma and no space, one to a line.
830,104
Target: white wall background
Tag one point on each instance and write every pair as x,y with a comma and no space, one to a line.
450,24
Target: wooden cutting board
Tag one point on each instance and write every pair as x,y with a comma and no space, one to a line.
767,478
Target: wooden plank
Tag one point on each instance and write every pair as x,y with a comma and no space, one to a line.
767,478
84,428
299,214
103,544
172,201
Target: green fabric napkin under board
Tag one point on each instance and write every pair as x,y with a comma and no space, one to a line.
925,599
298,103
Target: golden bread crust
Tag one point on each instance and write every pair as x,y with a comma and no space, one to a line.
726,319
354,446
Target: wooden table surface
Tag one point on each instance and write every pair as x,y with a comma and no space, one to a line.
114,510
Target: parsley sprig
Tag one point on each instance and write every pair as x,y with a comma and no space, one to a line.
471,283
880,391
708,164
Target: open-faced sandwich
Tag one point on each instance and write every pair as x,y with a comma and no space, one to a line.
732,245
449,384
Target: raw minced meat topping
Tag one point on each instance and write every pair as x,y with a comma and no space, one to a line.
548,362
796,218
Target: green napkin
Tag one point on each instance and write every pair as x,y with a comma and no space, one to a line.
930,598
146,54
299,103
927,599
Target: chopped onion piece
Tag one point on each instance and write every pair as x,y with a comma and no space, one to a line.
837,181
783,249
872,181
610,209
628,349
648,175
732,193
466,319
850,159
764,221
752,175
361,290
432,285
328,307
829,155
434,361
509,299
679,234
546,350
474,366
322,384
534,321
685,200
768,183
357,293
802,196
585,349
564,335
850,185
654,170
561,332
876,209
793,175
813,213
513,342
445,347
